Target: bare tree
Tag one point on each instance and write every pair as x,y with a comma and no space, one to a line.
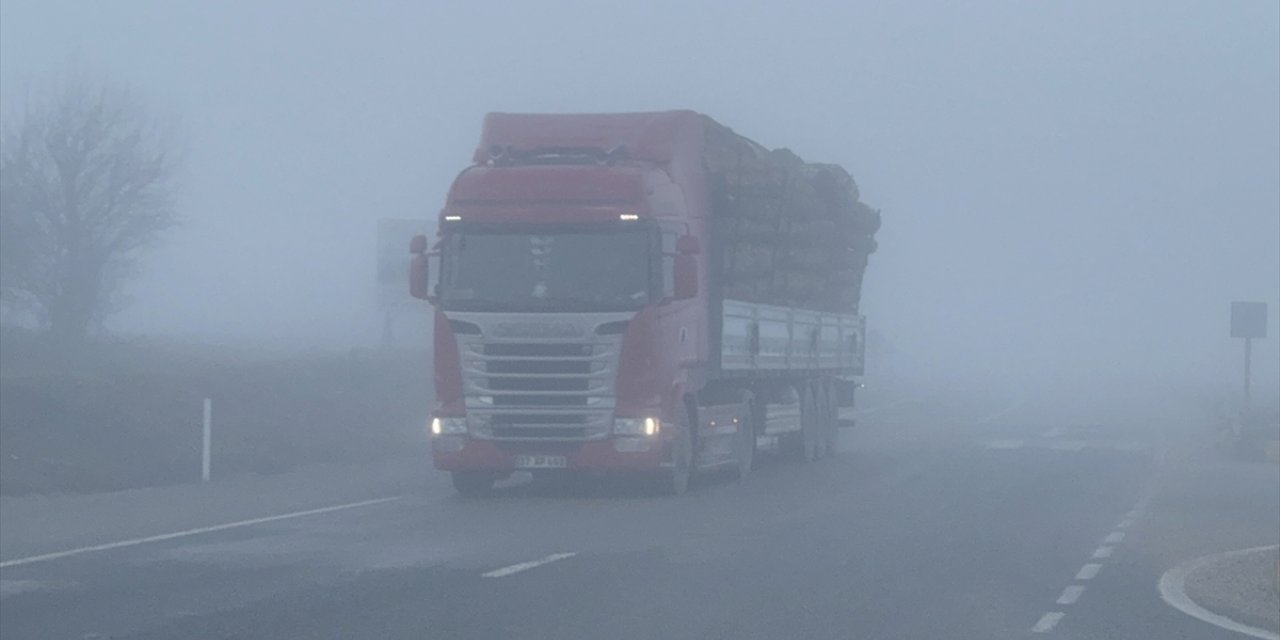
86,182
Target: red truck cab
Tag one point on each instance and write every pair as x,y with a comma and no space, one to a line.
576,327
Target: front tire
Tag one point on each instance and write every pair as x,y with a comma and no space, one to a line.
675,480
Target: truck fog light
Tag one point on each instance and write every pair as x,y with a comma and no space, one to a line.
637,426
448,426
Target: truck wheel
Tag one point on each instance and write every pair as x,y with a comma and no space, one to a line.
473,484
811,415
802,446
745,442
831,414
675,480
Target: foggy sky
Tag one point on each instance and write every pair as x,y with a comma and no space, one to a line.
1067,187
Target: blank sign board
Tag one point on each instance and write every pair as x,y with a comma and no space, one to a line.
1248,319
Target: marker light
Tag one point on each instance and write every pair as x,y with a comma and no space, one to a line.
628,217
452,218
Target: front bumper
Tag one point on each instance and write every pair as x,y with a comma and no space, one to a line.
461,453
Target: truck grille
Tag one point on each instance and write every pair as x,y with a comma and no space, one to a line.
541,391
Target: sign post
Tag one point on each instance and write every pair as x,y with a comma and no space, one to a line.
1248,321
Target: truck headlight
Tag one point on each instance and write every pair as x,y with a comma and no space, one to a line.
636,426
448,426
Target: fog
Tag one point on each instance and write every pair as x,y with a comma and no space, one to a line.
1070,190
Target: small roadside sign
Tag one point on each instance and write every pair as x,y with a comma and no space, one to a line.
1248,319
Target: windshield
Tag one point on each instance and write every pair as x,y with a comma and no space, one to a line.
567,270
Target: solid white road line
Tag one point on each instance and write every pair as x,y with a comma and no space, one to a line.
1114,537
1005,444
190,532
1173,591
525,566
1070,445
1047,622
1088,571
1071,594
1104,551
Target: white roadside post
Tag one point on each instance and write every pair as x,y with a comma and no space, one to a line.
208,437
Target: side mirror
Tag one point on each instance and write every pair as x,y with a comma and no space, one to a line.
686,277
419,278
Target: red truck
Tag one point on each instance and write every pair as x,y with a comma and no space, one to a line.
640,293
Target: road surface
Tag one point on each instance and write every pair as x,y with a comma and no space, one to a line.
1017,518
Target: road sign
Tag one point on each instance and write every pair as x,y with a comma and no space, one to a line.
1248,319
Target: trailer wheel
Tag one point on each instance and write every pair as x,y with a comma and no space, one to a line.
831,419
811,415
803,445
745,442
473,484
675,480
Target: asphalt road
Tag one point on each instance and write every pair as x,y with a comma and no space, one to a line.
936,520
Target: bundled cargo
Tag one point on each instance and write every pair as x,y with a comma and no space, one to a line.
792,233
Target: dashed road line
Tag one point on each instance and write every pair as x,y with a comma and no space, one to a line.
1047,622
525,566
1071,594
1070,445
191,532
1088,571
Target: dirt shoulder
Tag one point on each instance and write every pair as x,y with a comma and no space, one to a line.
128,415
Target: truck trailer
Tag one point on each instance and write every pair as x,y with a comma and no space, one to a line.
640,293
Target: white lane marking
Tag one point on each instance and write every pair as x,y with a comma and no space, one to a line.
525,566
1125,524
1130,446
1071,594
1114,537
1009,409
1054,432
1005,444
1088,571
191,532
1070,445
1104,551
1047,622
1173,591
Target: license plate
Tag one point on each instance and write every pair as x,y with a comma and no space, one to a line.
541,462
